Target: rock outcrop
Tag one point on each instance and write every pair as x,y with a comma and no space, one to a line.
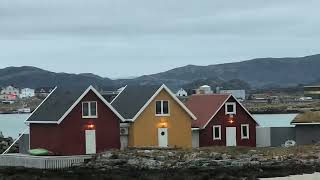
5,142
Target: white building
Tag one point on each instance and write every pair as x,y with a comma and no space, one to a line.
205,89
10,90
181,92
26,93
239,94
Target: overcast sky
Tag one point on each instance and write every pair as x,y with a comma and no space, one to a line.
121,38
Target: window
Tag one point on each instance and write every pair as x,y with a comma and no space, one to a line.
89,109
216,132
244,131
162,108
230,108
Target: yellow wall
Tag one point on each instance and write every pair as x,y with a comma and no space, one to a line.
144,131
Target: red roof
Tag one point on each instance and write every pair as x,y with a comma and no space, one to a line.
205,106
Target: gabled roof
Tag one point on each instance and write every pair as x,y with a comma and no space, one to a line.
133,100
206,106
312,117
60,102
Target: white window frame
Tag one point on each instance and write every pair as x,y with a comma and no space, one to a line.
234,107
162,114
89,109
248,130
213,132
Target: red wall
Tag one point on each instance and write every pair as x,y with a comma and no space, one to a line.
206,135
68,138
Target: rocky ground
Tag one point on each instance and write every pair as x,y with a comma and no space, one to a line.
5,142
205,163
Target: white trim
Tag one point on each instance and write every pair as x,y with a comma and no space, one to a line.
248,130
172,95
118,94
26,121
162,114
216,111
89,109
230,95
78,101
195,129
82,96
213,132
234,105
245,109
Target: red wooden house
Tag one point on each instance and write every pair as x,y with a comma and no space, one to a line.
75,122
222,121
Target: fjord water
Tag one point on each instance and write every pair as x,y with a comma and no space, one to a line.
13,124
315,176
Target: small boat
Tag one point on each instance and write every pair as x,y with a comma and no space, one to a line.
39,152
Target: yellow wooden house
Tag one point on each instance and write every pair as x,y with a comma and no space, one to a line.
155,117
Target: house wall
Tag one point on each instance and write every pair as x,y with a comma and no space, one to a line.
144,131
263,137
242,117
68,138
24,144
279,135
195,138
307,134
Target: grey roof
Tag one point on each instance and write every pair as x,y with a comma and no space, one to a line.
132,99
56,105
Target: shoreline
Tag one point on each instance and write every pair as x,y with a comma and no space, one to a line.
204,163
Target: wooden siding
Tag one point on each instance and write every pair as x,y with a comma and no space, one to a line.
68,138
144,131
242,117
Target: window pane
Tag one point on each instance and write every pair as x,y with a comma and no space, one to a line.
85,109
93,109
158,107
165,107
230,108
216,132
244,131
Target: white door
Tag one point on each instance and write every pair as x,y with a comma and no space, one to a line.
231,136
90,141
163,137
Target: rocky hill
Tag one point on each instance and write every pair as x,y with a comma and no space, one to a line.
256,73
32,77
264,72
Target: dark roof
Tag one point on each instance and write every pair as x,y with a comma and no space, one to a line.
132,99
56,105
205,106
310,117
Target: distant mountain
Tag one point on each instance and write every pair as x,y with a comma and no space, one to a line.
259,73
32,77
256,73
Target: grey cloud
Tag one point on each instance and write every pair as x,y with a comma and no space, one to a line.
147,36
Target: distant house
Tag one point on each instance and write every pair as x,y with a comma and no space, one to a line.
239,94
155,117
181,93
307,128
221,121
43,92
75,122
26,93
9,93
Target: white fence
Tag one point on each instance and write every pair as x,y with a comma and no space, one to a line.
41,162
